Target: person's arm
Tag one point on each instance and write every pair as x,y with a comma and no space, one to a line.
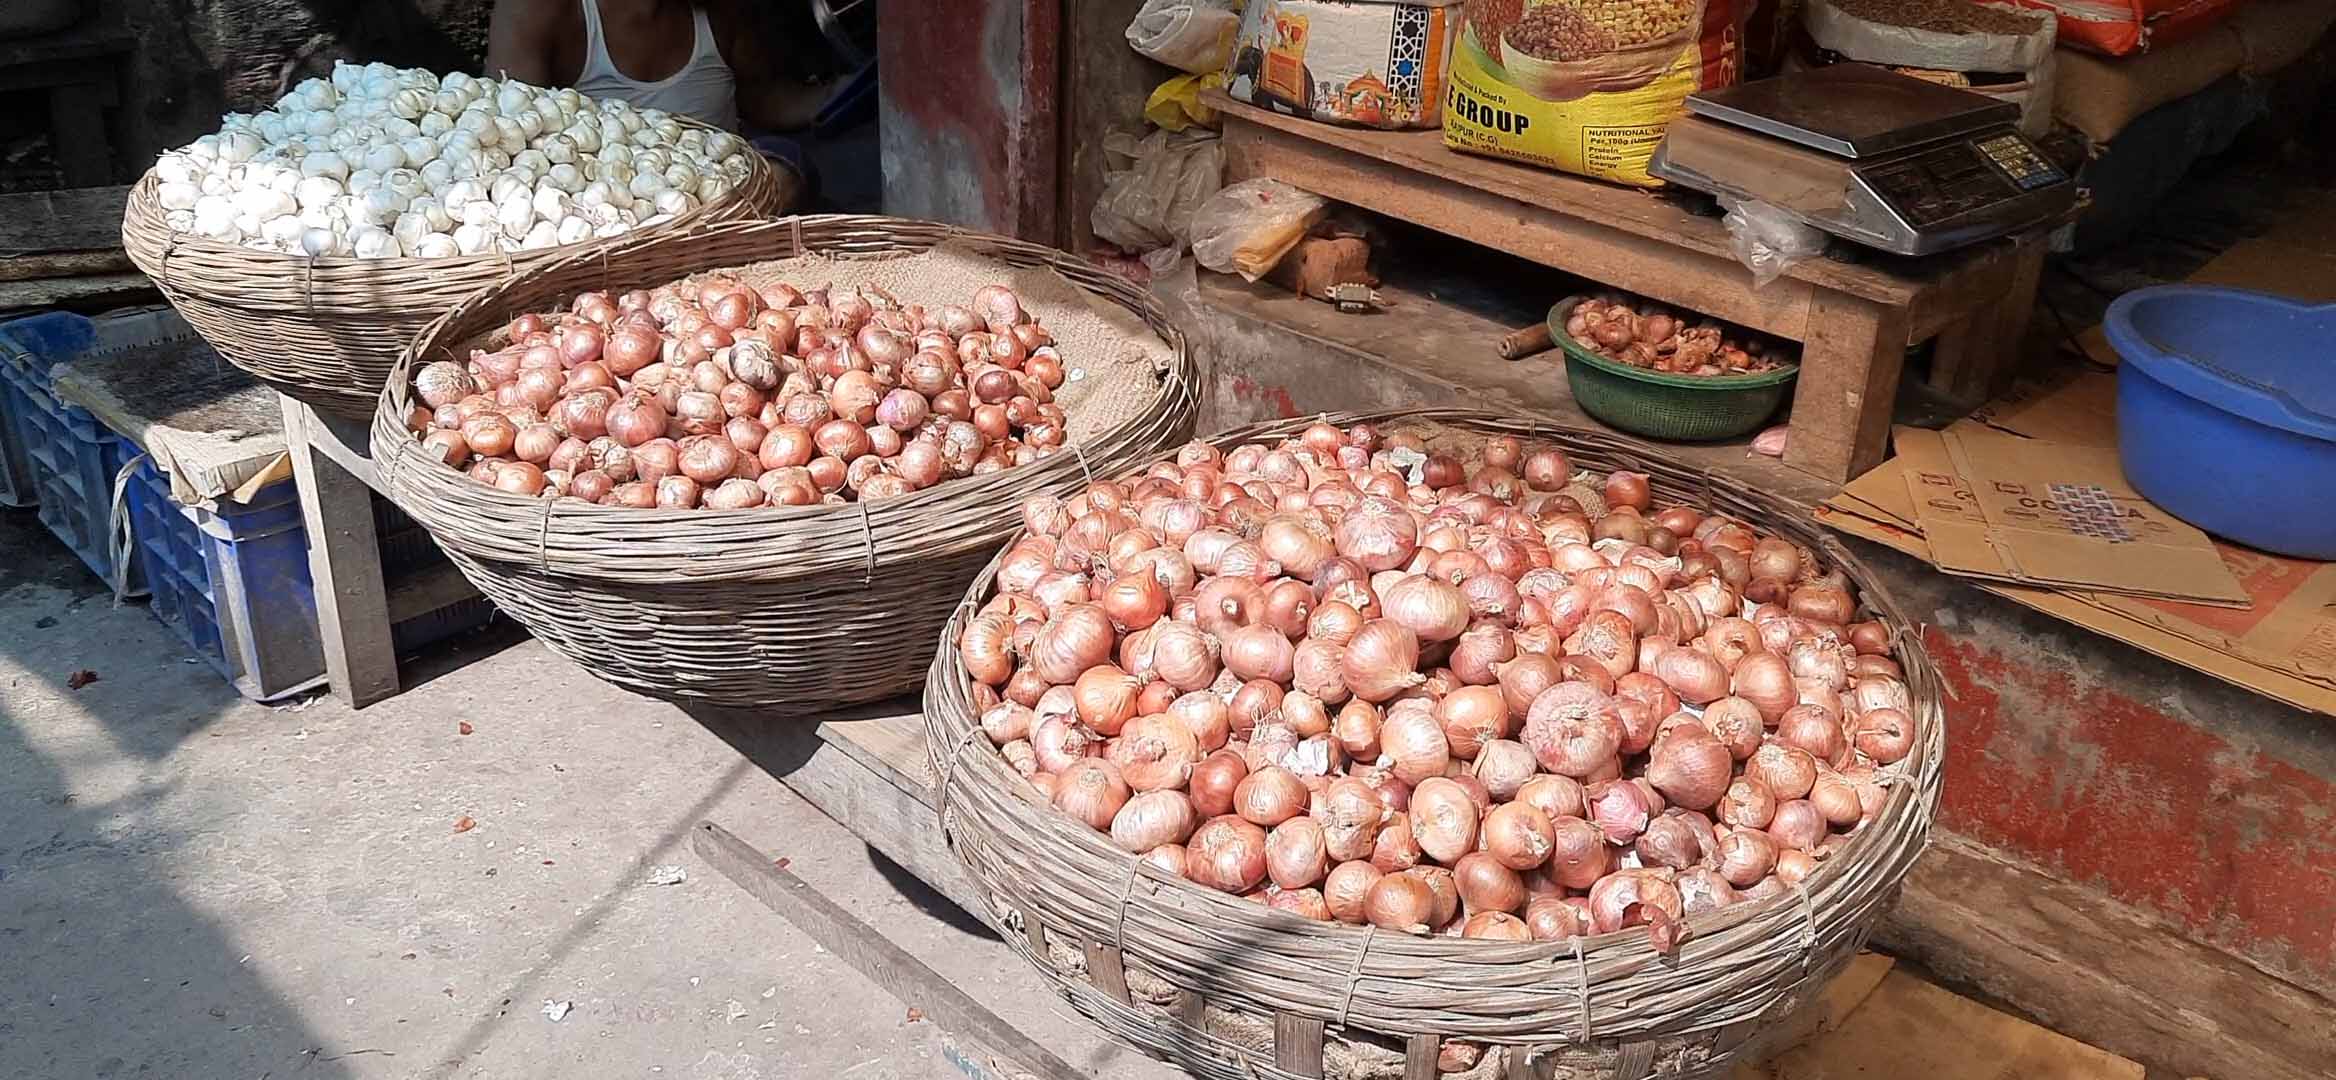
519,41
767,99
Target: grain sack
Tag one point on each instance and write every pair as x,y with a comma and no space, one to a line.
1586,86
1362,62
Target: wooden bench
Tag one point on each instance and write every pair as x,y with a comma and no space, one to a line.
356,608
1855,321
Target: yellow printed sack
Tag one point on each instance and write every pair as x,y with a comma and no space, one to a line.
1586,86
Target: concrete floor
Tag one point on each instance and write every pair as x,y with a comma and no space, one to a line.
194,886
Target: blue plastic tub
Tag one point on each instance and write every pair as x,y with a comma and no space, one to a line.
2226,412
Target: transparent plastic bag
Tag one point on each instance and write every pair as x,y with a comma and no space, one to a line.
1767,240
1154,186
1248,227
1194,35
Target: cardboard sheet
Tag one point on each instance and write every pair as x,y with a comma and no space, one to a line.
2035,512
2283,645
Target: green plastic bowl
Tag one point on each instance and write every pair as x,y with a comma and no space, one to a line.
1659,405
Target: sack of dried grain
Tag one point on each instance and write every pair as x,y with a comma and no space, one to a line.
1998,50
1586,86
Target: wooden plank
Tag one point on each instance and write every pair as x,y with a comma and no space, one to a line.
1849,377
1832,1007
63,264
1422,154
345,442
2113,976
344,560
1107,970
870,953
1696,279
1297,1044
881,806
78,219
1912,1027
1975,358
1419,1057
430,588
89,288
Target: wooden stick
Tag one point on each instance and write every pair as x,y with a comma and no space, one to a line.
870,953
1526,341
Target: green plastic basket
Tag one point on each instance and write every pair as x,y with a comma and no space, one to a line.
1659,405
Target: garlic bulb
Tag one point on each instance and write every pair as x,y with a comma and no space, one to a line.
471,239
378,162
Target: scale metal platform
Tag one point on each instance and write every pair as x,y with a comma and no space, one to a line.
1879,158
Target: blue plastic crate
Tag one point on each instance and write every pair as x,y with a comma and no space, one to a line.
16,487
68,458
234,583
71,460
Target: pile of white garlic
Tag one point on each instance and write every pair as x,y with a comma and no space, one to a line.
383,163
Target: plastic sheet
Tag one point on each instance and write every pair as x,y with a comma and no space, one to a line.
1153,189
1248,227
1767,240
1194,35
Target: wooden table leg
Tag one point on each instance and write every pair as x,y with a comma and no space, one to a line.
1850,361
1974,358
344,559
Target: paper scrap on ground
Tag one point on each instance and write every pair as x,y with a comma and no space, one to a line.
556,1011
667,875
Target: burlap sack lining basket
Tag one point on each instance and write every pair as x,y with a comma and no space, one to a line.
327,330
1231,990
812,606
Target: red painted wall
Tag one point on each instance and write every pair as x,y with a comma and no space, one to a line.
2104,788
969,120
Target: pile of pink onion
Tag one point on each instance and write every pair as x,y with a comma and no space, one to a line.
1356,679
722,395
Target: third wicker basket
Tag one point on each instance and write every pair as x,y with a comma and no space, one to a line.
1229,989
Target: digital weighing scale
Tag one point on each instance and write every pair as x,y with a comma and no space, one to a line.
1886,160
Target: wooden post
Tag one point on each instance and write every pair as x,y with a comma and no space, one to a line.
1297,1044
872,954
1850,363
1974,358
344,561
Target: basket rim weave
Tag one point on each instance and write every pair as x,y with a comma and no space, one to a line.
1736,964
766,543
1576,351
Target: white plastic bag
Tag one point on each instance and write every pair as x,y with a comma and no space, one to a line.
1768,240
1154,186
1248,227
1195,35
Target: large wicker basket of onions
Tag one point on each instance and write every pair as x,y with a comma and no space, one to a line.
1383,746
756,464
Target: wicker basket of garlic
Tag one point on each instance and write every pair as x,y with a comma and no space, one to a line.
310,241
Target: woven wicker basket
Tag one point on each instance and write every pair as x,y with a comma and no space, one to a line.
807,606
328,330
1232,990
